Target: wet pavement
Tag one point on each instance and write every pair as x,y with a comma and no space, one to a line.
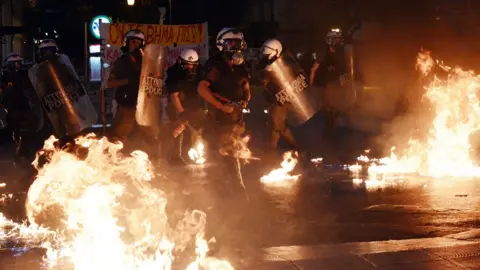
432,253
334,210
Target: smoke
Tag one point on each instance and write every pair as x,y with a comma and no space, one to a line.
386,56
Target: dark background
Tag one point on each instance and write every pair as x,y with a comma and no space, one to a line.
68,17
419,18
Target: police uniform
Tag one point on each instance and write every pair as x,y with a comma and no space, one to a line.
335,78
278,111
185,84
180,81
332,65
227,85
127,66
25,113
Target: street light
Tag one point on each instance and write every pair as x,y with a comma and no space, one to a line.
131,2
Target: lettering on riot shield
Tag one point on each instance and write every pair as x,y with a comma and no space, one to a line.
152,85
56,100
296,86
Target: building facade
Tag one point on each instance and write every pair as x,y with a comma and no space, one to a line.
12,38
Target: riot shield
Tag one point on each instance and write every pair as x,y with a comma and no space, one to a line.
341,95
63,97
292,87
149,103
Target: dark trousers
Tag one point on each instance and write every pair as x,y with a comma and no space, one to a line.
142,138
278,125
196,120
224,134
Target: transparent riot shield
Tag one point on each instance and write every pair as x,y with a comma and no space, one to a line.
63,97
292,87
149,103
341,95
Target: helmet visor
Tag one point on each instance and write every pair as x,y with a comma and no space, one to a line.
234,44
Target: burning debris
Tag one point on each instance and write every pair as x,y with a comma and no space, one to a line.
445,152
316,161
100,212
197,153
5,197
282,174
238,148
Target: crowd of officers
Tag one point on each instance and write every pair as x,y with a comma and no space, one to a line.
20,103
209,99
220,89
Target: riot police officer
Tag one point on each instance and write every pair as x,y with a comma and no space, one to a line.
25,114
333,72
291,99
270,51
225,87
125,77
185,105
62,95
333,63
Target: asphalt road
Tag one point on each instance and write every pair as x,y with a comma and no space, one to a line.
324,207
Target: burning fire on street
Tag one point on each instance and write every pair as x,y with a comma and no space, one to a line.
446,151
282,175
197,153
101,212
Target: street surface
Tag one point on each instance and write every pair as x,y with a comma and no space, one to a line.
321,208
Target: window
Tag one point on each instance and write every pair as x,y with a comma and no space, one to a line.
95,71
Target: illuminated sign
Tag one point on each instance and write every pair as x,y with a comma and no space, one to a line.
94,48
95,25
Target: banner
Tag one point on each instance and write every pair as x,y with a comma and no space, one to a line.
177,37
159,34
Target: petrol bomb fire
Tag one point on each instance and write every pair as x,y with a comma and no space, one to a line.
102,212
453,102
197,153
237,147
282,174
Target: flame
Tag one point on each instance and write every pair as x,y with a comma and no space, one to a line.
6,197
197,153
445,152
96,209
283,174
425,62
238,148
316,161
